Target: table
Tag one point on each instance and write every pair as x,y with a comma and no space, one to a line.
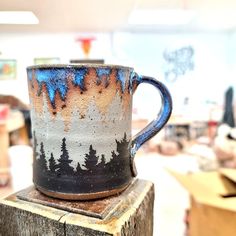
178,128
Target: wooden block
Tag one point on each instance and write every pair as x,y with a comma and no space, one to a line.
128,214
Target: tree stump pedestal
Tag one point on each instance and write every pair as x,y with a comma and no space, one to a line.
29,212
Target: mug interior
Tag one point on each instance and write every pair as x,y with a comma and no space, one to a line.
87,65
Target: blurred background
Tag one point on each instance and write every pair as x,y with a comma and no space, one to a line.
189,45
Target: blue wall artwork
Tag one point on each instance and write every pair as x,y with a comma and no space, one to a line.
178,62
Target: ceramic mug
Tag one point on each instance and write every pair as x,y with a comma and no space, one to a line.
81,124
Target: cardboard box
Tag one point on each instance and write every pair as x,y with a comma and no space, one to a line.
213,202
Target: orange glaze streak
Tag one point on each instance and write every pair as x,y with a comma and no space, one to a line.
126,98
36,101
102,96
126,101
78,100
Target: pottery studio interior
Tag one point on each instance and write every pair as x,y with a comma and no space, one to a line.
118,117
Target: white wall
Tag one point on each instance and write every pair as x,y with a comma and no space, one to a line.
25,47
204,85
213,73
232,58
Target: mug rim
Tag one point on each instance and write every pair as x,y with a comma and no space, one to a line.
80,65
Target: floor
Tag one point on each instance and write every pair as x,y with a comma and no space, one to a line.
171,199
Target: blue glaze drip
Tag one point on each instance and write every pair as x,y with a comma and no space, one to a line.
55,80
79,75
121,78
103,72
134,77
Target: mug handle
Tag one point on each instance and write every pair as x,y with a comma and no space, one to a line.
156,125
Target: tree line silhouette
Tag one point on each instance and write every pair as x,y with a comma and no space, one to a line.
92,165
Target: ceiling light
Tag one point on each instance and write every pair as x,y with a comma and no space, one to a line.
161,17
217,19
18,17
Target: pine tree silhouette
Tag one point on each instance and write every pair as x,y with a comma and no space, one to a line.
79,170
42,162
63,167
52,164
102,163
113,165
91,160
119,161
122,146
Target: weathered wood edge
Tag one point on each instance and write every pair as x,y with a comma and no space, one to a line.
20,218
114,222
34,208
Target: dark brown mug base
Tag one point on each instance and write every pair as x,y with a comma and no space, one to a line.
82,196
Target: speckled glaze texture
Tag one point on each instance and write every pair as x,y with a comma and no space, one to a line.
81,124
